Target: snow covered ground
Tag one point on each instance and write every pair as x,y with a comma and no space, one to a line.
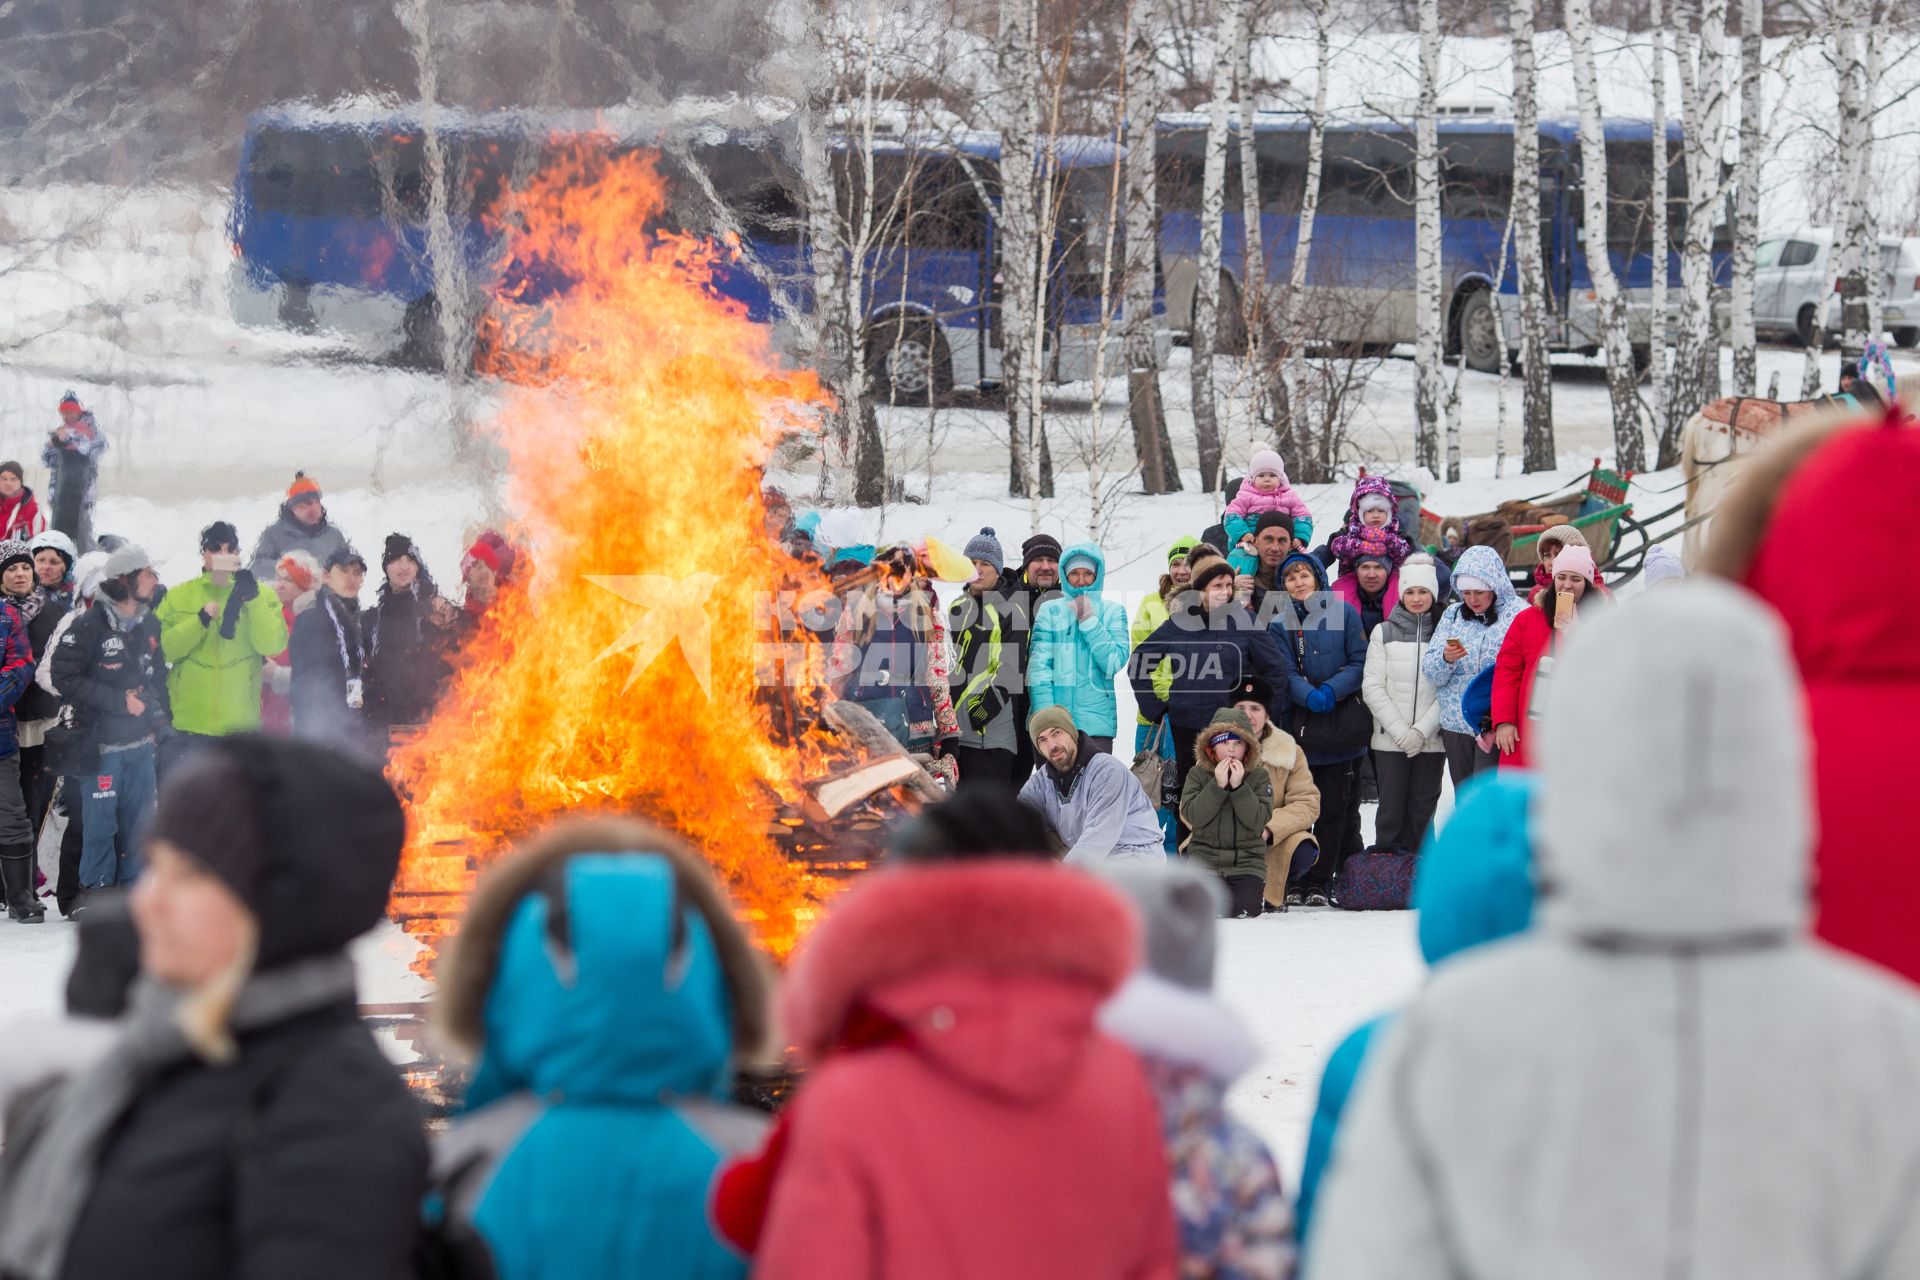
209,420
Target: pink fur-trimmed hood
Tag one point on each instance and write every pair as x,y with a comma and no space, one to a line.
934,940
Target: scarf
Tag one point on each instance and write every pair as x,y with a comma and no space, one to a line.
31,603
50,1163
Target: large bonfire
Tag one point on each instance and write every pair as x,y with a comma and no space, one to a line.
619,672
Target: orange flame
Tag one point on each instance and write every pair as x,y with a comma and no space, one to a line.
642,408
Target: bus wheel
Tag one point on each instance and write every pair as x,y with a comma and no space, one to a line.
1803,325
1907,337
1479,338
908,361
1230,333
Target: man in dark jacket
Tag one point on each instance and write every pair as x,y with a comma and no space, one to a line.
329,658
302,525
240,1066
1037,582
109,670
72,456
1213,643
1323,645
407,634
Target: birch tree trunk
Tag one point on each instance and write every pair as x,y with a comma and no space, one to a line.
1429,337
1206,308
1153,447
837,338
1253,294
1628,443
1297,434
1537,447
1703,89
1019,93
1746,214
1662,209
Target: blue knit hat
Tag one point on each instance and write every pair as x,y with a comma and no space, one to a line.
985,546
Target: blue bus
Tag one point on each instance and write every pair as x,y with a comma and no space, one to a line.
329,230
1360,274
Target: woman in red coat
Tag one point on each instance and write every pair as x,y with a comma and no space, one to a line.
1526,655
964,1117
1853,639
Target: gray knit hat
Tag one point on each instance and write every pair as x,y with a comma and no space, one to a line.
1178,904
985,546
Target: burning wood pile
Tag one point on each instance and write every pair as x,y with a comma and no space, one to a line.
639,665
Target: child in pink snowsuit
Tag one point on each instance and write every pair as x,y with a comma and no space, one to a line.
1370,528
1265,489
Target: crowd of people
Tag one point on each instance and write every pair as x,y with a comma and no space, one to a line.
109,678
1017,1064
1367,669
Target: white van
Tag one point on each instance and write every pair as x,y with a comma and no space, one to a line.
1794,276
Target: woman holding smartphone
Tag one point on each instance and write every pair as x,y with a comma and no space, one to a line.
1523,671
1465,643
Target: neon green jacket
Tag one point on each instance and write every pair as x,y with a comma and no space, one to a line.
1146,620
215,682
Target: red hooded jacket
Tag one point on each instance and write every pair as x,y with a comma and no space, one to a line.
1854,640
998,1132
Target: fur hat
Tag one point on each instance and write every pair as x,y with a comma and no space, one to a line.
1051,718
1206,570
985,546
1227,720
1254,689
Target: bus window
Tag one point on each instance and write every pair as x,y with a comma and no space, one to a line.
1181,161
1367,175
1476,176
1282,157
313,174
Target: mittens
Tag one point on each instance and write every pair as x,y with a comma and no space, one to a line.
1320,700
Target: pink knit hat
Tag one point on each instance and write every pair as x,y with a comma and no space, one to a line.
1575,558
1267,460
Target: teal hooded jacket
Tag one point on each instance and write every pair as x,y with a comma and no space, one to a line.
596,1116
1474,886
1074,661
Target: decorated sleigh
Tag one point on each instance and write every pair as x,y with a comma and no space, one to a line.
1599,510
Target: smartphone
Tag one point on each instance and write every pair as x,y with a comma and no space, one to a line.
228,563
1563,607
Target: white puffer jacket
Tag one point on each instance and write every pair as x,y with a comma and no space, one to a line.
1667,1076
1396,688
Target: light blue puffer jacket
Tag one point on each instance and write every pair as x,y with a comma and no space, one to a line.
596,1115
1481,639
1074,663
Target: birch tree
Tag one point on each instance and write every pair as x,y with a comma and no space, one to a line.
1021,296
1611,305
1253,296
1213,184
1856,60
1293,433
1662,208
1429,338
1537,447
1746,212
1703,88
1154,448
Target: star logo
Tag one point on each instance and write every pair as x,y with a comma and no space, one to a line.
674,612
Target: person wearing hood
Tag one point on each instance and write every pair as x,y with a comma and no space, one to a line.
407,634
72,457
1226,804
1622,1090
328,689
218,631
1853,642
1228,1201
302,525
984,653
1474,886
604,990
1090,800
1194,662
1523,670
241,1120
87,570
1464,644
109,668
1080,648
1323,646
1296,801
1408,756
16,675
53,563
20,514
963,1116
1371,526
297,583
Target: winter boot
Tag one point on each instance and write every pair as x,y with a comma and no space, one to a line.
16,872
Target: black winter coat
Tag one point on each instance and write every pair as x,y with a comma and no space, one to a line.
36,703
1211,655
94,667
326,652
303,1159
406,660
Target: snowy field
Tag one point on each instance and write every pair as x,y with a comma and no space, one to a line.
209,420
